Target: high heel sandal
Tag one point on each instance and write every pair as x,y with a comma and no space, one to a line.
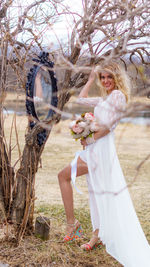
88,247
75,234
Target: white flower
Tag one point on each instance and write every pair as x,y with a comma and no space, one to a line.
78,117
86,132
82,124
89,116
71,124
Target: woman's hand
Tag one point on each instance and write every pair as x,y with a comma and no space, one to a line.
90,140
87,141
88,85
92,75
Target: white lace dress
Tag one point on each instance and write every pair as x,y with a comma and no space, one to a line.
111,208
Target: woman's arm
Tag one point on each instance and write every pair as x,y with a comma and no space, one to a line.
95,136
101,132
86,88
113,113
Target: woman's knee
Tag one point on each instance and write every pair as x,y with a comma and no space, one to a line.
64,175
60,176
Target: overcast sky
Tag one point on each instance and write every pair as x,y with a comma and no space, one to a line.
65,25
60,28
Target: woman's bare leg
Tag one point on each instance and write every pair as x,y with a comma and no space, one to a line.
64,178
67,195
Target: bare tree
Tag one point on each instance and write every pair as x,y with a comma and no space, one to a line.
17,191
106,30
101,31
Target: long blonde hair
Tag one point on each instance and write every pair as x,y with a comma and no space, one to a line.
121,78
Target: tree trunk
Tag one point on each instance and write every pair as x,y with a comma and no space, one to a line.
24,195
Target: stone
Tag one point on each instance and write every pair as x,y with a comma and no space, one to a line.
42,227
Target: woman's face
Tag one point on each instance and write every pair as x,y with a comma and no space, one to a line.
107,81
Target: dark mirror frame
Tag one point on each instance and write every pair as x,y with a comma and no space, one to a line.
42,60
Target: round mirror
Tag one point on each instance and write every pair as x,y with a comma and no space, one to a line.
41,91
42,94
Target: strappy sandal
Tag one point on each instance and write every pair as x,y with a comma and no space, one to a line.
76,233
88,247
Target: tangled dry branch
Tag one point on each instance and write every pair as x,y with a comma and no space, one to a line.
102,30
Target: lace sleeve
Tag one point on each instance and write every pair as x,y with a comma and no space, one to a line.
88,101
115,107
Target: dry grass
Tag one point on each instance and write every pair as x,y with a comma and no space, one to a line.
132,144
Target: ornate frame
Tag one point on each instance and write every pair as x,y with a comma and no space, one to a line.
42,60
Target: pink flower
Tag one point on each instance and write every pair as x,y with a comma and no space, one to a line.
89,116
77,129
83,126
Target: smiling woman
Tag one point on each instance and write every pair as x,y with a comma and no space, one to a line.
107,81
113,216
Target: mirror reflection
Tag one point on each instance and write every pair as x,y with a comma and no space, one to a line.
42,92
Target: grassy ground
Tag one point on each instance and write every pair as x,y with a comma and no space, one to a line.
132,144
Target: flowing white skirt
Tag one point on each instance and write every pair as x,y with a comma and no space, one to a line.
111,208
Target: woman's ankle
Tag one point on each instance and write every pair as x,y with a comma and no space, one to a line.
95,233
93,240
71,225
73,232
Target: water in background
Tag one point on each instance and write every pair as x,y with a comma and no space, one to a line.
10,111
136,120
133,120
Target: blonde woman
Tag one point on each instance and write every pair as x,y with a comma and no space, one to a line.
113,216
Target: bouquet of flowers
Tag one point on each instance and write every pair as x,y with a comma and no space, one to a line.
84,126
